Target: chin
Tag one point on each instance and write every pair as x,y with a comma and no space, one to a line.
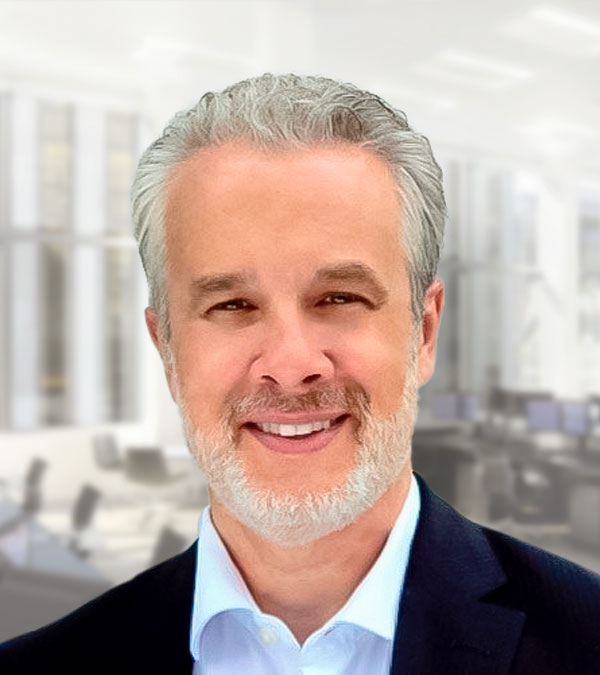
290,519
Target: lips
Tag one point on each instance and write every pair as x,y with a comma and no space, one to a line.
300,438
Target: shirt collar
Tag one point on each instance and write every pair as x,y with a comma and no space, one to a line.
219,587
374,604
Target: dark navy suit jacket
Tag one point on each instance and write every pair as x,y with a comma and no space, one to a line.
474,601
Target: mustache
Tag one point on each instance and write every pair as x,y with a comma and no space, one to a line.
352,399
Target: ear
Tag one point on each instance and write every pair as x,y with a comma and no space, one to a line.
153,325
433,304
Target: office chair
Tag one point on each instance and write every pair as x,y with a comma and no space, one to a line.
106,452
168,544
82,517
532,489
31,486
85,507
22,521
147,465
32,498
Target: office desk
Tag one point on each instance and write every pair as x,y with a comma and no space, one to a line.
473,473
583,502
40,579
446,458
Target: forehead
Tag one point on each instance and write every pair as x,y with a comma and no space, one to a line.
228,203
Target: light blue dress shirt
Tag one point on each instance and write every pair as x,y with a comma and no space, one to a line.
230,634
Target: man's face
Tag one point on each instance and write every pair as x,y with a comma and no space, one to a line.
291,326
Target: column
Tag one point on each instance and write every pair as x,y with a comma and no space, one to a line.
87,362
23,277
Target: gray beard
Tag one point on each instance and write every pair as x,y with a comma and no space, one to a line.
295,520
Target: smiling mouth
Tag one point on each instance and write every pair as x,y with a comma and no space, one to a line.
296,438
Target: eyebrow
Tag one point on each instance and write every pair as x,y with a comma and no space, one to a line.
354,272
217,283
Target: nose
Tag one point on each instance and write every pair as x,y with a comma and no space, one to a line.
291,355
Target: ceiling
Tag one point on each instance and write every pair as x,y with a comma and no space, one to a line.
517,78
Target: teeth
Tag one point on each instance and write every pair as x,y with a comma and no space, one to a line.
293,429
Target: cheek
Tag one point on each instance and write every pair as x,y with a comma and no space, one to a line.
209,371
379,366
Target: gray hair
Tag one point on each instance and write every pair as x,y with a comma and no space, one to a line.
286,111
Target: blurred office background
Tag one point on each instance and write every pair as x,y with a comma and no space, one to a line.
95,481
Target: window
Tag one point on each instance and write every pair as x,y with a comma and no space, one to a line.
71,282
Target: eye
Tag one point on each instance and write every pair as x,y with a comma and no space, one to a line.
235,305
341,299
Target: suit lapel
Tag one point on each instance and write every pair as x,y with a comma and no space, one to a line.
164,596
445,622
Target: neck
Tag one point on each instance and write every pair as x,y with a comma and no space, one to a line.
306,585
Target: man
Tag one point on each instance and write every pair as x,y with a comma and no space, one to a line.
290,231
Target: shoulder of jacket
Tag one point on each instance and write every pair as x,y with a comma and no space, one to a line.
156,600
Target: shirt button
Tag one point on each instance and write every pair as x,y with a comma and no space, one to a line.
268,635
